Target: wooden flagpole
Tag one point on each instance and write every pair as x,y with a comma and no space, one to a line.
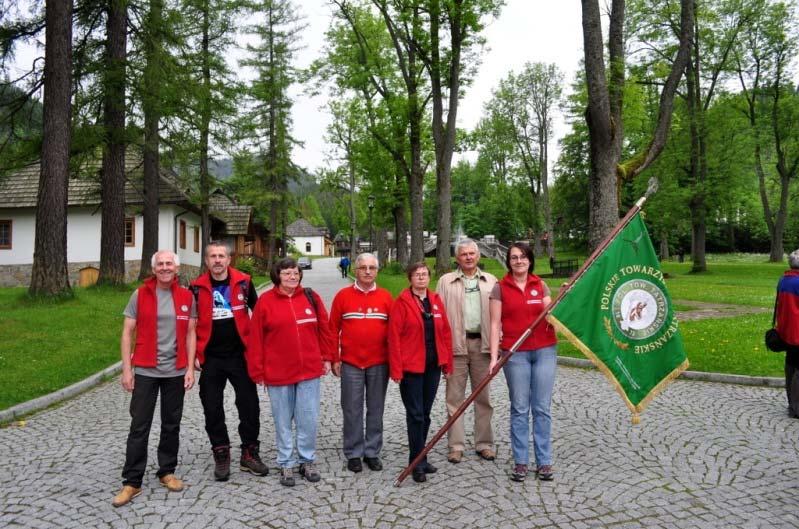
504,357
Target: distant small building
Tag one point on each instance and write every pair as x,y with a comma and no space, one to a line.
309,239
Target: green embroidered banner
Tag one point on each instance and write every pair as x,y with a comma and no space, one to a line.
619,314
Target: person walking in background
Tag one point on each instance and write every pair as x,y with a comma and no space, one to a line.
465,294
344,265
420,349
359,323
157,348
224,296
787,325
289,350
530,372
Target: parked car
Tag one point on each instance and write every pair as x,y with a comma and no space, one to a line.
304,263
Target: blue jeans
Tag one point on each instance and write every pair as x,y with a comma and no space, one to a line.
297,403
531,377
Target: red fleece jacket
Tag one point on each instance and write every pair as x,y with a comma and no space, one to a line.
406,349
288,341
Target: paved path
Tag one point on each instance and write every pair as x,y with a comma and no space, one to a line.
705,455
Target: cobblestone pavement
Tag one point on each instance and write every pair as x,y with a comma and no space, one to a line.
705,455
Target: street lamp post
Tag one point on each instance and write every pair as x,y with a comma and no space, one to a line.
371,205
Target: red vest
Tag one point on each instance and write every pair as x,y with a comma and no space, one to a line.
520,309
205,304
145,354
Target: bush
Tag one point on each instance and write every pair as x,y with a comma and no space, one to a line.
246,265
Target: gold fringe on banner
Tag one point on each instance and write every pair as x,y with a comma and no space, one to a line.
635,410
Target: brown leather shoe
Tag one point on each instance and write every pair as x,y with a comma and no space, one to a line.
127,493
487,454
172,483
455,456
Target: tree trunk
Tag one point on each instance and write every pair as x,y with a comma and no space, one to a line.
697,200
49,276
205,130
604,153
664,245
112,191
353,237
604,110
401,233
415,185
444,133
151,109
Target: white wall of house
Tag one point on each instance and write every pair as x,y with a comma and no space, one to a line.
317,245
83,235
23,233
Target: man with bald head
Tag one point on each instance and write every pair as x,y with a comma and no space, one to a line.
157,348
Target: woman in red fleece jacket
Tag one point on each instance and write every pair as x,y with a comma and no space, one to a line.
290,348
419,349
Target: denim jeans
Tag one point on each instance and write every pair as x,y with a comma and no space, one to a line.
531,377
298,404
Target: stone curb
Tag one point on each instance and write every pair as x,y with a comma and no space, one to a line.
55,397
769,382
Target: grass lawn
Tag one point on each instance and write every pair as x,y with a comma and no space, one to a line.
48,346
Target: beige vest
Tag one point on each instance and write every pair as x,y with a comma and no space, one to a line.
450,289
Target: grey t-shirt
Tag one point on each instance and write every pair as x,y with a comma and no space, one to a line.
167,338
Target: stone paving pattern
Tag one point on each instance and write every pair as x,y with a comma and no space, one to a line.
705,455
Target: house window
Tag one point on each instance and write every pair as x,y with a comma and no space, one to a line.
5,234
182,234
307,247
130,231
197,239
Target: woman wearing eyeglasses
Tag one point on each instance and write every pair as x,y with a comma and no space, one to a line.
515,302
419,349
290,348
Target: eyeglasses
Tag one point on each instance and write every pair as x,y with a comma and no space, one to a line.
367,268
519,258
289,273
421,275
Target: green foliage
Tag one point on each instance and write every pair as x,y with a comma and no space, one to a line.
85,340
246,265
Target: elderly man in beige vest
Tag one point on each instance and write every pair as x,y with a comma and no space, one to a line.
465,295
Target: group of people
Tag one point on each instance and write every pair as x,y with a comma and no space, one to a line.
286,340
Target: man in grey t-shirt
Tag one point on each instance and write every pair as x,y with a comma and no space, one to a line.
158,339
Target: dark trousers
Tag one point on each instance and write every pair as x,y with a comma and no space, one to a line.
215,375
792,380
418,392
142,408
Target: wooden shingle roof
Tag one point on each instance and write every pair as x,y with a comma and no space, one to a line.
21,189
303,228
236,217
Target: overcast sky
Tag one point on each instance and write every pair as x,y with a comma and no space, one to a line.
526,30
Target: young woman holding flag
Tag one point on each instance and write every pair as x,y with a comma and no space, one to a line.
530,372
